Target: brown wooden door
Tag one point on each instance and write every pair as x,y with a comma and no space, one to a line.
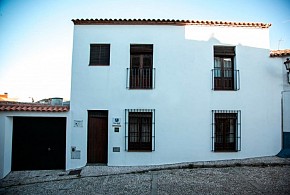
98,137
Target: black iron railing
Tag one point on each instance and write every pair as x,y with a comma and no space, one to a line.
140,78
225,79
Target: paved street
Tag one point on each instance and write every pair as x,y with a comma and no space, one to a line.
218,178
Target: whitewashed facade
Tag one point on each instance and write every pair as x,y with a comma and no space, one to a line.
182,96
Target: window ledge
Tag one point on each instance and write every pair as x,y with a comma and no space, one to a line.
225,89
140,88
99,64
139,150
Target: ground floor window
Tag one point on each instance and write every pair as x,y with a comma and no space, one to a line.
140,129
226,130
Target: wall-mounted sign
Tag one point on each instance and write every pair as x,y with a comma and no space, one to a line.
116,121
78,123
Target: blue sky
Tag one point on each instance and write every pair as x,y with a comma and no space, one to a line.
36,35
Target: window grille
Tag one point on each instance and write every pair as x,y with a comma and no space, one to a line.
226,130
140,129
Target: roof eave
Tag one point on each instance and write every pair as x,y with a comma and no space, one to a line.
166,22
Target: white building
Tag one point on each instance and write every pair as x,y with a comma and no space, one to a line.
147,92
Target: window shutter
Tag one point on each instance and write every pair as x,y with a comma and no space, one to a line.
224,51
144,48
100,54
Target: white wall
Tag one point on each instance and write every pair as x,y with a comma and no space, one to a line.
286,96
6,123
183,97
6,132
2,142
286,111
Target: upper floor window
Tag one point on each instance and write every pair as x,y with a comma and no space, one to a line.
99,54
141,67
225,76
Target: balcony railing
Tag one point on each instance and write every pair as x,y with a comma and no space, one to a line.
226,79
140,78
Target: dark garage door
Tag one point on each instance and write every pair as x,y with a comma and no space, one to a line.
38,143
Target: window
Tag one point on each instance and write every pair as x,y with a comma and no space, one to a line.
100,55
140,130
226,131
224,73
141,67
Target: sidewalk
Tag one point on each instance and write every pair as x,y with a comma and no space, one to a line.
31,177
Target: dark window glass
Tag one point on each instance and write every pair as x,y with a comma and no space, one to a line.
140,131
225,132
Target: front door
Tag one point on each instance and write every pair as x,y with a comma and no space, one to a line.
97,136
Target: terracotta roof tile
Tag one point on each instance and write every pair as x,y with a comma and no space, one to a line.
166,22
280,53
31,107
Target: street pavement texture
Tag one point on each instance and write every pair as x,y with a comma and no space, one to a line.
267,175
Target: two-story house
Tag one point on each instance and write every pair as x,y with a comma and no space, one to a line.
148,92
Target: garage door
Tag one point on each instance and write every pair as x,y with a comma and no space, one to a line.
38,143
